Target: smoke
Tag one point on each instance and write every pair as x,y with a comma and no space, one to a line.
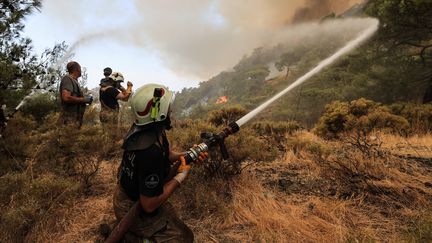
275,13
316,9
202,38
196,38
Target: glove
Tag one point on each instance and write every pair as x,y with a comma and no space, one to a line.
202,156
88,99
182,171
129,87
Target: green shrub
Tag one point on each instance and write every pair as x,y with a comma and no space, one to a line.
362,107
359,116
39,106
17,143
334,120
275,133
271,128
298,143
246,145
382,119
418,115
226,115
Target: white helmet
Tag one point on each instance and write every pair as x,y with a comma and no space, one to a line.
117,77
151,103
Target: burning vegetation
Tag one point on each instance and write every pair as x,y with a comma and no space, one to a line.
221,100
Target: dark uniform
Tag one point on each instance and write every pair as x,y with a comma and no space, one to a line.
144,170
109,105
71,113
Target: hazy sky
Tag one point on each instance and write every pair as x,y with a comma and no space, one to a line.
176,43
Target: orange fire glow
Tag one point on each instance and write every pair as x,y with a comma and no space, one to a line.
222,100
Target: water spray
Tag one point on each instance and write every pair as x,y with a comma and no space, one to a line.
347,48
211,140
34,90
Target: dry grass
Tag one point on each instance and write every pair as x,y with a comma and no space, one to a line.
307,207
80,222
420,146
281,221
394,196
259,215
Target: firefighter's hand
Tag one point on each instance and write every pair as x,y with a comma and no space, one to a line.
129,87
182,171
202,156
88,99
122,89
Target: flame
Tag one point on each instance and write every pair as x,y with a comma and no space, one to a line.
222,100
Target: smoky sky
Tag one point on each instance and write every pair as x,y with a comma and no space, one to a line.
316,9
195,38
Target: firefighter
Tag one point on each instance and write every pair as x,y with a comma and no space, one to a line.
147,174
109,94
107,72
72,99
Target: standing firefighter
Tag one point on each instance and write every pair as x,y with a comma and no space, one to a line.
72,100
147,173
109,95
107,72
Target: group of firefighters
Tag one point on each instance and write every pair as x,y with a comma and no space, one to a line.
150,171
73,101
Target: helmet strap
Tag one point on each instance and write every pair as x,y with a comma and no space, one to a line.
167,124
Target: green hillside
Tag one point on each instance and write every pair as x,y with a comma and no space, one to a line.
395,66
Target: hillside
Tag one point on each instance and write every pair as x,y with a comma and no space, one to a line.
382,70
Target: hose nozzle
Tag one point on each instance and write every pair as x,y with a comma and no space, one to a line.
211,140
